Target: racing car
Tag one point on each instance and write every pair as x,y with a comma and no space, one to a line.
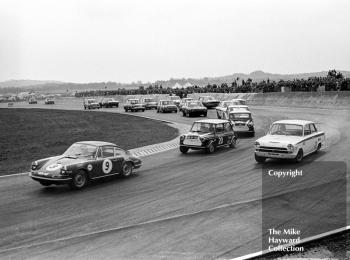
134,104
209,102
166,106
82,162
194,107
91,103
289,139
242,121
150,103
49,101
183,102
225,107
208,135
32,101
108,102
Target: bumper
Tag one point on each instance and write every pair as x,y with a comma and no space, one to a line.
276,155
138,108
137,165
197,112
114,104
211,105
93,106
244,129
151,106
194,147
169,109
55,180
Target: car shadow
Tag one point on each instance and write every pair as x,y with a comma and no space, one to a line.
289,162
97,184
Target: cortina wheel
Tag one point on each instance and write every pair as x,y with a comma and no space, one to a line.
259,159
299,156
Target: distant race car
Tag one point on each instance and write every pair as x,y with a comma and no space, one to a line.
108,102
134,104
175,99
194,107
238,101
208,135
91,103
150,103
82,162
225,107
166,106
289,139
209,102
32,101
10,104
49,101
223,113
183,101
242,121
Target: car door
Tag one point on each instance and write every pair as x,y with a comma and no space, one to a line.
111,160
316,139
106,162
221,135
308,140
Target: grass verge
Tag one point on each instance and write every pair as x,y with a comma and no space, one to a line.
31,134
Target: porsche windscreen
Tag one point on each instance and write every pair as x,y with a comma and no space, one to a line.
81,150
286,129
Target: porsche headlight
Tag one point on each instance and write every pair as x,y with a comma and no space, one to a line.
34,165
64,169
257,144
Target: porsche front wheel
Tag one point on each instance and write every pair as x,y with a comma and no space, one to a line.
79,180
126,169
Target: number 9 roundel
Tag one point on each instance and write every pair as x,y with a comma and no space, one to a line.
107,166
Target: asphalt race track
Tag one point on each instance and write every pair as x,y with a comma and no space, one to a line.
176,206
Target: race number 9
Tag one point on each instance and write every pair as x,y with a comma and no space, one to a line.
107,166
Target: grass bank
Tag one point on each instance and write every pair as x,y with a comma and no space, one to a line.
30,134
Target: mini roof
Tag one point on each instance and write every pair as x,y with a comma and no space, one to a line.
212,121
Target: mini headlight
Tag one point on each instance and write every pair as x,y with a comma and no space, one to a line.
182,137
257,144
250,123
201,139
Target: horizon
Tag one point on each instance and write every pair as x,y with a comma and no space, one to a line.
172,78
125,42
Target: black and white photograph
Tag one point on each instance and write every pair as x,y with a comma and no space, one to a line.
174,129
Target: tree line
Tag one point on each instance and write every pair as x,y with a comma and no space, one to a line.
334,81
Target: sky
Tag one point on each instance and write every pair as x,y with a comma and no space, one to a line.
148,40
